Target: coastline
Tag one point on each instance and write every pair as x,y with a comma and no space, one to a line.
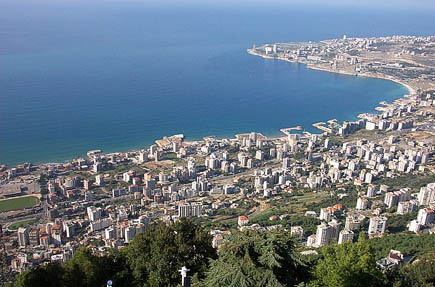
278,135
411,90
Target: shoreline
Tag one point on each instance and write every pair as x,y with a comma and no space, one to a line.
272,137
410,89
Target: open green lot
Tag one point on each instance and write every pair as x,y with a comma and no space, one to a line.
18,203
24,223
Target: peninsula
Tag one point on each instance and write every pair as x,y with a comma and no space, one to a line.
408,60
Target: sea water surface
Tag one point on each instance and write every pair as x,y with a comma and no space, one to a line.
116,75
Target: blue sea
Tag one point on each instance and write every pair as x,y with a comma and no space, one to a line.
116,75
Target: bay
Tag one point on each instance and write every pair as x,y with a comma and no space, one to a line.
117,75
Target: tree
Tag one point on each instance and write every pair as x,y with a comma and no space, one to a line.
156,255
421,273
348,264
84,269
49,275
256,259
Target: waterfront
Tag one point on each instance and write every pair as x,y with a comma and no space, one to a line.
128,87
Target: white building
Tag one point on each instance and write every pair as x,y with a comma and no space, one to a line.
406,207
426,216
427,194
297,231
99,180
323,234
325,214
100,224
189,210
352,222
345,236
362,203
129,233
23,237
377,225
259,155
391,199
94,213
327,232
110,233
371,191
414,226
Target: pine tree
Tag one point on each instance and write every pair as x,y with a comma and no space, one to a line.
253,259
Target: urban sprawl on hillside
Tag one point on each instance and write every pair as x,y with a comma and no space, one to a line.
374,175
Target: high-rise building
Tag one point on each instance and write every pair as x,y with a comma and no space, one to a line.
414,226
130,232
427,194
377,225
99,180
352,223
110,233
259,155
286,163
70,229
34,236
94,213
189,210
143,156
325,214
426,216
56,237
345,236
23,237
336,228
100,224
324,234
362,203
371,190
406,207
391,199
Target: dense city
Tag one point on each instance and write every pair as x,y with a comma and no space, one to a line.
373,176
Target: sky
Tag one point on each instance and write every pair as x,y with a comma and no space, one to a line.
422,5
392,4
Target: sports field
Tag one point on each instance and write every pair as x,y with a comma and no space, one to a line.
18,203
24,223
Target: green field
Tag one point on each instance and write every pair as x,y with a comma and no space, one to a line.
18,203
24,223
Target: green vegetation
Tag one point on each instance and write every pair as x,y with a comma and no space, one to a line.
84,269
409,244
348,201
170,156
348,264
156,255
309,223
44,276
257,259
24,223
18,203
246,259
398,223
415,182
263,217
335,141
421,273
153,258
